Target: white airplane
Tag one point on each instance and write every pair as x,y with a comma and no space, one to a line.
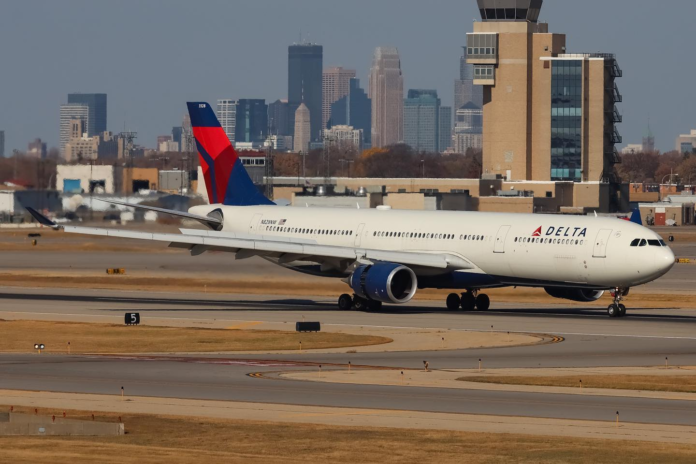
386,255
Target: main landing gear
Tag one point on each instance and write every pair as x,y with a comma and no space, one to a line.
469,301
616,309
347,302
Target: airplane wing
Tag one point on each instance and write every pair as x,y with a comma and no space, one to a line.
200,241
213,222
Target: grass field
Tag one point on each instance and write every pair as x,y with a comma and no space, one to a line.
178,440
664,383
20,337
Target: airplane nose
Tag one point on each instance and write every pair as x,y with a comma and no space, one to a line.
664,260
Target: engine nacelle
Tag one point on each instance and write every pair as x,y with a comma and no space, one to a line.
575,294
385,282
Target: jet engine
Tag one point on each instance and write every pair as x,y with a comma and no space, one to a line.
575,294
385,282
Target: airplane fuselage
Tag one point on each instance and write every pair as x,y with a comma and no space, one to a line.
504,249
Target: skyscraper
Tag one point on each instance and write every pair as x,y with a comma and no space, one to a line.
2,144
468,128
278,118
422,120
68,113
648,141
305,64
227,115
303,129
252,121
335,84
355,109
464,89
96,102
177,135
444,129
387,94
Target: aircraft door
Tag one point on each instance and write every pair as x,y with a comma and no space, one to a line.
358,238
600,244
254,224
500,239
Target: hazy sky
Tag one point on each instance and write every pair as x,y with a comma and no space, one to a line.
151,56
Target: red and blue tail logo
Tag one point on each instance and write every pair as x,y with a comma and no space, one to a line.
226,179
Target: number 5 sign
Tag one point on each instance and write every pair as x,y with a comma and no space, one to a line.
132,318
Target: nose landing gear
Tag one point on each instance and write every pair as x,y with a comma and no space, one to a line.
616,309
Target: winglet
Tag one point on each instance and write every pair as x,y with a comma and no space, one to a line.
41,219
635,217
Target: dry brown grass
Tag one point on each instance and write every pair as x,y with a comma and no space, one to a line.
663,383
178,440
20,336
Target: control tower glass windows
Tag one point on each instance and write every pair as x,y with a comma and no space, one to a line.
566,120
481,46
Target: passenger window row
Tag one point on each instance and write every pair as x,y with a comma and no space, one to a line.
549,241
413,235
641,242
298,230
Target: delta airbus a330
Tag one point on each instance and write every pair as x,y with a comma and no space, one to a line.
385,255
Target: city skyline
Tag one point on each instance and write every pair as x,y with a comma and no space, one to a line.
151,102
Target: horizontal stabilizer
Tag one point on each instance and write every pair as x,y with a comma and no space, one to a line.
213,222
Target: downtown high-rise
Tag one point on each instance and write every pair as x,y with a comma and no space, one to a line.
227,115
305,66
335,85
68,113
427,124
387,94
96,102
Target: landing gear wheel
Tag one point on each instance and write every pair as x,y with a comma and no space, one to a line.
622,310
468,301
453,301
613,310
345,302
483,302
360,304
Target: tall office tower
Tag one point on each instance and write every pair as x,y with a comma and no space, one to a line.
227,115
445,129
468,128
303,129
188,142
422,120
96,102
387,94
355,109
278,118
335,85
464,89
68,113
177,135
648,141
305,64
252,121
37,149
2,144
547,114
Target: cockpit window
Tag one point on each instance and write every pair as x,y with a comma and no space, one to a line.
643,243
662,242
635,242
654,243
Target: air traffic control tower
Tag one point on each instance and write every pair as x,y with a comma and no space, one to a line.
548,115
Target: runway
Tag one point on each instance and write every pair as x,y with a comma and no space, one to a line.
591,339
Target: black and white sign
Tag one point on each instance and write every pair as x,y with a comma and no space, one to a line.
132,318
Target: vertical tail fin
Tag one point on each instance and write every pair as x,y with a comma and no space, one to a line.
226,178
635,217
